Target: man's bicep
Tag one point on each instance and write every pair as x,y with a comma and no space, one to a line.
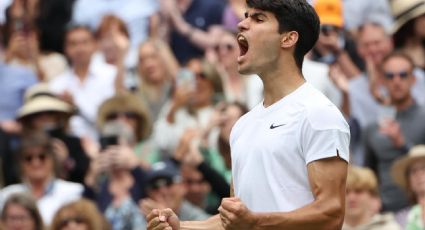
327,178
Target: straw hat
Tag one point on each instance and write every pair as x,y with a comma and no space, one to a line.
405,10
400,167
330,12
126,103
40,99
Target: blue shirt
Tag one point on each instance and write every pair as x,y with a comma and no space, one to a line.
13,83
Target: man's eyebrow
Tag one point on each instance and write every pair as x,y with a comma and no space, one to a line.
254,15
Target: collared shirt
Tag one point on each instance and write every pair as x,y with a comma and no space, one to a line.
57,194
13,83
88,95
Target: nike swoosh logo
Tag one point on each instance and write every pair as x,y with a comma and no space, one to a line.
275,126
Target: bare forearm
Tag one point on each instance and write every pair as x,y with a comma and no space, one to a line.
213,223
309,217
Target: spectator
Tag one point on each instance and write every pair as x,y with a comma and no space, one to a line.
44,112
23,42
80,214
397,130
165,189
335,46
116,179
408,31
114,40
156,70
129,112
38,166
244,89
408,172
88,84
362,203
364,92
135,14
197,89
20,212
189,22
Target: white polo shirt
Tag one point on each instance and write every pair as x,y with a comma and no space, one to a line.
271,148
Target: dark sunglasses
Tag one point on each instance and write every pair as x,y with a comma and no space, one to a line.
227,47
392,75
29,158
327,29
75,219
161,182
115,115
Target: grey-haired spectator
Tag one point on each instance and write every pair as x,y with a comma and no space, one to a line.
38,167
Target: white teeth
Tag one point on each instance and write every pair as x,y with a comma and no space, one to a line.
241,38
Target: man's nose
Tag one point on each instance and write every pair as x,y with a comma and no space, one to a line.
243,25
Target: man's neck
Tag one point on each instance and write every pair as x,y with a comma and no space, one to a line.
401,106
281,81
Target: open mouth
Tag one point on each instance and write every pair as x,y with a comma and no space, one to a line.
243,45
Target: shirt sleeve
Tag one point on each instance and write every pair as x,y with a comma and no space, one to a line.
324,134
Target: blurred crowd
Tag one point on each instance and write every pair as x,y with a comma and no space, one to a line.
110,108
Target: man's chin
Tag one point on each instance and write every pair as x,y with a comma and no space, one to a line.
245,71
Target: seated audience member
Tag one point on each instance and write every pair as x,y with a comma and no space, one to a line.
38,166
79,215
165,189
87,84
20,213
363,203
45,112
409,173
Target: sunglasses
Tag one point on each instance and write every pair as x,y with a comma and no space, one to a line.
327,29
115,115
29,158
75,219
161,182
401,74
226,47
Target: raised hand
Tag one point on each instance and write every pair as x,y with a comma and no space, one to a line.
235,215
164,219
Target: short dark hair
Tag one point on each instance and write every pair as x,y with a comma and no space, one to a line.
71,27
293,15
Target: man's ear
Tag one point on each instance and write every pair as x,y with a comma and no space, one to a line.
289,39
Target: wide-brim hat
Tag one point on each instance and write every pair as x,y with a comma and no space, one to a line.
399,169
44,103
126,103
405,10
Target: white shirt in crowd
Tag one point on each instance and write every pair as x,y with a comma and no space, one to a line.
271,148
57,194
87,95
